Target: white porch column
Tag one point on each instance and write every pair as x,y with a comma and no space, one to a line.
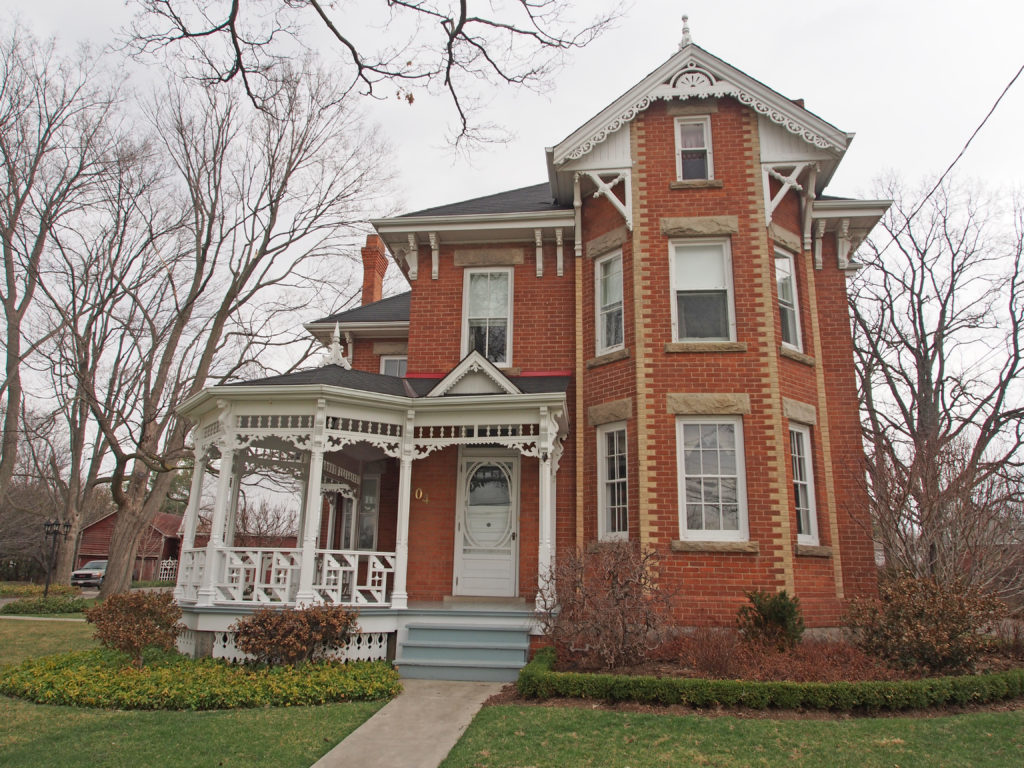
314,507
188,536
400,593
195,493
313,503
332,519
207,591
545,518
236,491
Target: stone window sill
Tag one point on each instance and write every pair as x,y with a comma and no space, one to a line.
812,550
608,357
792,354
696,184
706,346
734,547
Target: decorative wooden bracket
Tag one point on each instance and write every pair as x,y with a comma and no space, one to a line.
538,239
435,255
558,252
412,257
604,188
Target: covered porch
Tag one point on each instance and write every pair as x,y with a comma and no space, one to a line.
350,441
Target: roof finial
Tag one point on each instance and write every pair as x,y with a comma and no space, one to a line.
334,353
686,33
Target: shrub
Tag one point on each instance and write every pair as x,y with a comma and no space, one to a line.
17,589
293,636
538,680
771,620
919,623
107,679
130,622
712,652
605,607
27,606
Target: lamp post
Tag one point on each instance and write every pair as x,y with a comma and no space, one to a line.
51,530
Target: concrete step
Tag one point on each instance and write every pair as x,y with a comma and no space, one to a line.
446,651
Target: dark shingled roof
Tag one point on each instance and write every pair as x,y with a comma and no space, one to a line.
336,376
394,309
535,199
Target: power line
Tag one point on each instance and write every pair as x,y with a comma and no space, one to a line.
956,160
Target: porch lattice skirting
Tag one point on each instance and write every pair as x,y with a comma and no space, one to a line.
365,646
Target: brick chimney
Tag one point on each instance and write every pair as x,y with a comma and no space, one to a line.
375,264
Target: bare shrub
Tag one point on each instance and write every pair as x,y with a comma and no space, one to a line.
604,606
292,636
920,623
712,652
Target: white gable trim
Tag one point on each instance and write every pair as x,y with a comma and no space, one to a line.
475,363
693,73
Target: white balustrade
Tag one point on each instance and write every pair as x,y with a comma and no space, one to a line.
271,576
190,572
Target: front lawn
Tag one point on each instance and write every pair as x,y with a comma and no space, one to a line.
556,737
35,734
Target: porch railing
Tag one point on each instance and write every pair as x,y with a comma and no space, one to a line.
190,572
271,576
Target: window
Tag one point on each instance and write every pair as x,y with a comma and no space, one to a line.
702,284
803,484
789,313
693,149
712,486
393,365
488,310
608,290
359,527
613,516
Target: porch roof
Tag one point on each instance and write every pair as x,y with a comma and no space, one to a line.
378,383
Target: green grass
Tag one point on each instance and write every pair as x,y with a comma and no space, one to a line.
560,737
23,638
35,735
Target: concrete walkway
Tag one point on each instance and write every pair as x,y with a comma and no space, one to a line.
417,729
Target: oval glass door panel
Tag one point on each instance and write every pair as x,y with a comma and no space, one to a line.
488,508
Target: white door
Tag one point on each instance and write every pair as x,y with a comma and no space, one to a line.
486,528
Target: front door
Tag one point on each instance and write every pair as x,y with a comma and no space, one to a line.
487,525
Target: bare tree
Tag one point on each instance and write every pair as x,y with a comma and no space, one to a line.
408,45
267,197
938,313
54,145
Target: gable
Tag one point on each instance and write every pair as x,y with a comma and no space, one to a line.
693,73
474,375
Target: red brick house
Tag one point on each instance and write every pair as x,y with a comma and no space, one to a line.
653,344
158,543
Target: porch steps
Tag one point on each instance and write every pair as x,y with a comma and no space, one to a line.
462,652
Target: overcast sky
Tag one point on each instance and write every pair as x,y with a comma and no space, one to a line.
911,78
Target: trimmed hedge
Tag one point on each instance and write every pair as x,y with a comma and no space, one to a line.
107,679
538,680
34,606
20,589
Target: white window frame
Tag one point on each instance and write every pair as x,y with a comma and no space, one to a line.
743,532
603,528
810,537
729,287
600,343
705,121
783,255
466,345
389,358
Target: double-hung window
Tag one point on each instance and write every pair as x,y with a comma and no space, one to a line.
608,282
487,306
712,483
694,161
393,365
702,307
803,484
789,312
613,517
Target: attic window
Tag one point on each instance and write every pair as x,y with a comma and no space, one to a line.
693,149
